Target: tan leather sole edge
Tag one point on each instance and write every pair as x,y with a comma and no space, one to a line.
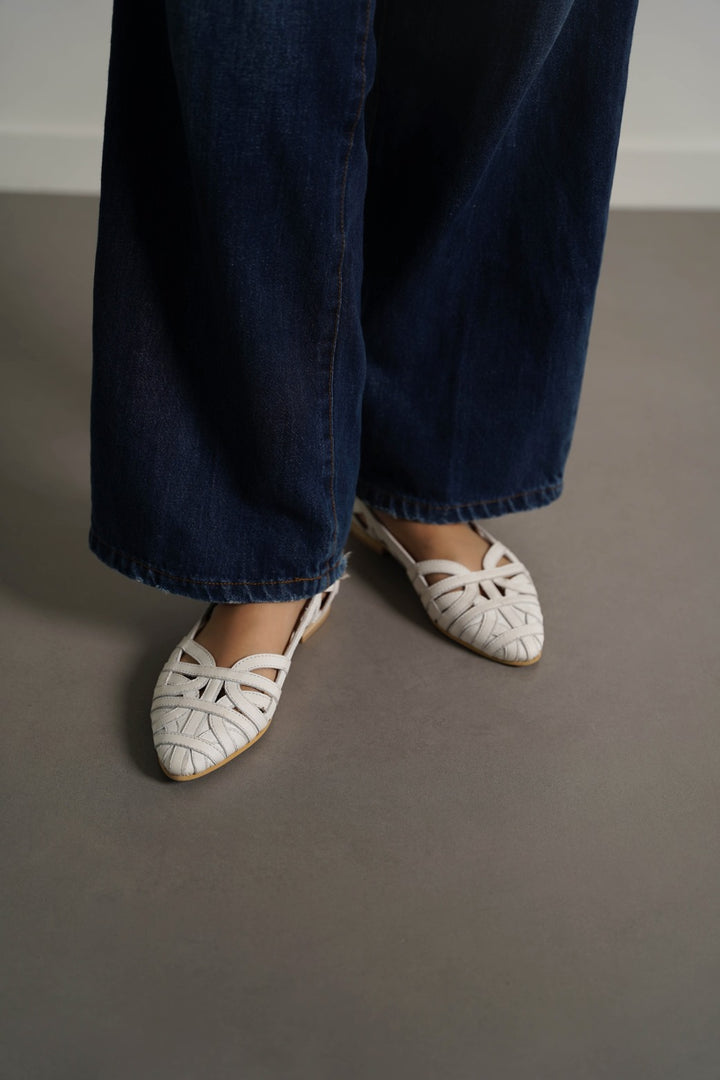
357,530
479,652
196,776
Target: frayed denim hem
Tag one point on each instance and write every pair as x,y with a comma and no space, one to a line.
215,592
408,508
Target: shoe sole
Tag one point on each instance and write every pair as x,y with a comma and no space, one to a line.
213,768
376,545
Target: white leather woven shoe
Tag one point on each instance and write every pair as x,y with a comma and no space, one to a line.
494,611
203,716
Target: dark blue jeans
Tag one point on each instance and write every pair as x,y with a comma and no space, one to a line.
344,246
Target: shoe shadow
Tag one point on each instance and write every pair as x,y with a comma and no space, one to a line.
46,267
388,580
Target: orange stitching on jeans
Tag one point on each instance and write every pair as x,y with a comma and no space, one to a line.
475,502
205,581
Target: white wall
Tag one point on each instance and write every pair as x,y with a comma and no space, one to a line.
53,72
53,68
670,140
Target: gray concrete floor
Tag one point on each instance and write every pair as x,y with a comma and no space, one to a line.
432,866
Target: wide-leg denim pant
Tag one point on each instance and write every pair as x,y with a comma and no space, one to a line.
344,246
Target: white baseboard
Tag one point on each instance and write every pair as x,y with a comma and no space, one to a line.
646,176
53,162
667,177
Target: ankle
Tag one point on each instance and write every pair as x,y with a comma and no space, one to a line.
234,631
456,541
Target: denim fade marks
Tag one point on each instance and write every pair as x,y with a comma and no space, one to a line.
287,311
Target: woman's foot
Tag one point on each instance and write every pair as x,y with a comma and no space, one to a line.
473,588
234,631
203,715
457,542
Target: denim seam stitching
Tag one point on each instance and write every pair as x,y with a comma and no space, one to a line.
343,245
206,581
474,502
